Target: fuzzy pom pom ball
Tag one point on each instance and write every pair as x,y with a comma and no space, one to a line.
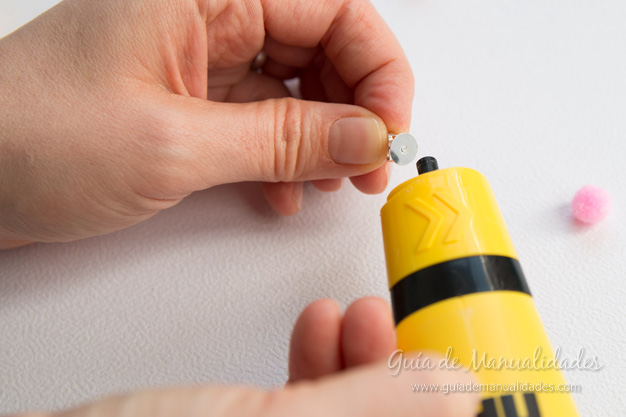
591,204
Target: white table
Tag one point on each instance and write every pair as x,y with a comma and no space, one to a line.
532,94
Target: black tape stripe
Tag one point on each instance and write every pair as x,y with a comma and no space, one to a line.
508,403
531,405
489,408
454,278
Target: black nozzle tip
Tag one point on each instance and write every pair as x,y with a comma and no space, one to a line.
427,164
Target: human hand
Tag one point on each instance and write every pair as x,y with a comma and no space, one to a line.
112,111
333,372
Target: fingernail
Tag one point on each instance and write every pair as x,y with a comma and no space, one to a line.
355,140
296,194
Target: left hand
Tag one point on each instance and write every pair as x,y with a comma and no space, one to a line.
111,111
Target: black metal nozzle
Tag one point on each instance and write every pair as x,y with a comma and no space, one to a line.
427,164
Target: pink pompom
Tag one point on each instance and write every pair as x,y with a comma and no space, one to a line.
591,204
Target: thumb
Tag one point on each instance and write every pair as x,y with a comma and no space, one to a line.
277,140
373,391
368,391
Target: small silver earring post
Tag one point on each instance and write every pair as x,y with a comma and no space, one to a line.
402,148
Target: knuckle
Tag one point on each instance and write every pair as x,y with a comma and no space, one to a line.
290,131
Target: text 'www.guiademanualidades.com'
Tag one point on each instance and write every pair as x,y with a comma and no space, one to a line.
497,388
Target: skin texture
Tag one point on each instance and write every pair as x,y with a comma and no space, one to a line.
337,367
114,110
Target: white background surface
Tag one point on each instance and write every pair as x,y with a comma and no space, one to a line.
531,93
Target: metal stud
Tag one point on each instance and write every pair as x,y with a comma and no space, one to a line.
402,148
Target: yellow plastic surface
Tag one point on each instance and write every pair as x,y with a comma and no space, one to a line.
497,324
439,216
450,214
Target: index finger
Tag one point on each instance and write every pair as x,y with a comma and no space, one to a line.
360,45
